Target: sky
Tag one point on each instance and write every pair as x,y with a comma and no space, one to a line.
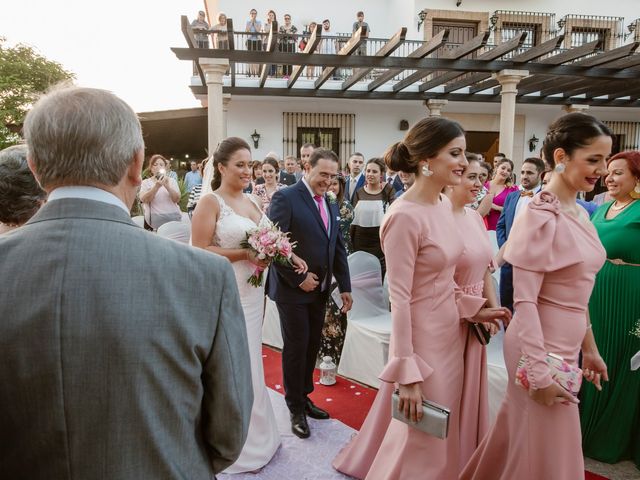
118,45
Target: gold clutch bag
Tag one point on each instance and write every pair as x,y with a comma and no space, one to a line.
435,418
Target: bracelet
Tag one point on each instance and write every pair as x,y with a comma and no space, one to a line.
589,326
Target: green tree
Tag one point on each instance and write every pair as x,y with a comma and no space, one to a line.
24,75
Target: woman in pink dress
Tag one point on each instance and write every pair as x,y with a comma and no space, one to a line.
422,245
555,253
473,277
498,188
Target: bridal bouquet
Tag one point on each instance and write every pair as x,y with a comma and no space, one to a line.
271,244
635,360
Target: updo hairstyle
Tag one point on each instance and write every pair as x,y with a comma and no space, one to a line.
425,139
571,132
223,153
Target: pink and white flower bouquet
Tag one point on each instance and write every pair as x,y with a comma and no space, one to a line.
271,244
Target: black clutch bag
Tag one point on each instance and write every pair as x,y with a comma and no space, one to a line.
481,333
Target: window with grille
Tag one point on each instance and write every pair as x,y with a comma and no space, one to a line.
582,35
335,131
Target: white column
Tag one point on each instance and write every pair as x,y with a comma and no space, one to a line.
226,98
509,80
214,69
435,106
576,107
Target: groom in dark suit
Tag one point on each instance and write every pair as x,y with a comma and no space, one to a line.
311,218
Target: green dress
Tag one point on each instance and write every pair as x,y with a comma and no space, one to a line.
610,419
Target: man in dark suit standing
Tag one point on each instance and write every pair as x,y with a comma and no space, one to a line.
394,179
516,202
286,178
123,355
305,212
355,179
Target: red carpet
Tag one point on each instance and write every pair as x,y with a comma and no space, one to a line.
345,401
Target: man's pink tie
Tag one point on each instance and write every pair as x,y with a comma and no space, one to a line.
323,213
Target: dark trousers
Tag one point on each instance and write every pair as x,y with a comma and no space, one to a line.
506,286
301,326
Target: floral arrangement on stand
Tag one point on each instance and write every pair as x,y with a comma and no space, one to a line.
271,244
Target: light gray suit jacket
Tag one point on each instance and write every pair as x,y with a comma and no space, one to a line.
122,355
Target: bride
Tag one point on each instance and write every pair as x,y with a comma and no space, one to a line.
220,223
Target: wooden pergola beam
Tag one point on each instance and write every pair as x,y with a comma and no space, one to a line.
190,38
425,49
526,56
312,44
492,54
466,48
348,48
413,96
430,64
387,49
271,46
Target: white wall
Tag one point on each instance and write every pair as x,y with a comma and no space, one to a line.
377,121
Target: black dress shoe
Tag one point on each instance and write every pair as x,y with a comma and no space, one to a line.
315,412
299,425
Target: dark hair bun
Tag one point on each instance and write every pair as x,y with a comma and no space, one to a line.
398,158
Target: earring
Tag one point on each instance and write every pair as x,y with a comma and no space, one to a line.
635,193
559,168
425,171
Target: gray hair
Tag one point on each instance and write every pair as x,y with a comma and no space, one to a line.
82,136
20,194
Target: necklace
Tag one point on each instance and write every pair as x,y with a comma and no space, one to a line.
615,207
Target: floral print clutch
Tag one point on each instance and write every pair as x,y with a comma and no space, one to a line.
566,375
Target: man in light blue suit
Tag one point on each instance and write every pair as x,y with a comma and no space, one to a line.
355,180
530,184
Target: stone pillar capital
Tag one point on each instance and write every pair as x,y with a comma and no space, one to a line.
214,69
435,106
509,79
576,107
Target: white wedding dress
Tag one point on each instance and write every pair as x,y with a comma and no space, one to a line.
263,438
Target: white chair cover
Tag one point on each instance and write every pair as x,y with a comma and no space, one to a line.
178,231
271,332
366,344
138,220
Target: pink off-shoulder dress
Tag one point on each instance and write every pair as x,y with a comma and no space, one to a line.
555,258
422,246
469,275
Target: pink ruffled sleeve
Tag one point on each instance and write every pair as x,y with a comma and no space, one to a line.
540,242
400,236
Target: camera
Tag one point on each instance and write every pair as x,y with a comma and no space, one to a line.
161,173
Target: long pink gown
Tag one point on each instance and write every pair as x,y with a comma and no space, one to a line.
555,258
421,245
469,275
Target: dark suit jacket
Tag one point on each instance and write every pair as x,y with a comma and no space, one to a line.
287,178
397,184
505,222
123,355
359,185
294,211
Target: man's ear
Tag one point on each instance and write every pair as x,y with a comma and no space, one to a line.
32,167
134,172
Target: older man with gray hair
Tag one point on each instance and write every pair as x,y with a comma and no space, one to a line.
122,355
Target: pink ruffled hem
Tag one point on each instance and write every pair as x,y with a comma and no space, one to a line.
469,305
406,370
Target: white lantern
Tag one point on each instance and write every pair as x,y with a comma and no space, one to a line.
327,371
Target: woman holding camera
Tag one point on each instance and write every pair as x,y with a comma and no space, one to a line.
159,195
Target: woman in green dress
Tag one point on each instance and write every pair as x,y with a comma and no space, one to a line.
335,322
611,418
